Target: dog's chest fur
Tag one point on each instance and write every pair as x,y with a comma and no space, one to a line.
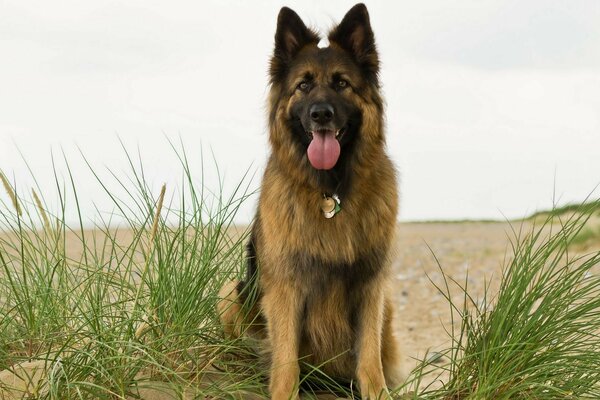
291,211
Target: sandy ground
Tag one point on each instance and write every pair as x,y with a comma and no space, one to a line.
476,250
466,252
422,310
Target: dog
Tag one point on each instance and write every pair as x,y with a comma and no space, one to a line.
319,249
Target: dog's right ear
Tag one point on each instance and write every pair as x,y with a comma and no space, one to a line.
291,36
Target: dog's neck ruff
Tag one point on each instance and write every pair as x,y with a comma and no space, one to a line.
330,205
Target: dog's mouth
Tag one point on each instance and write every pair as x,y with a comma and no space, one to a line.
339,133
324,149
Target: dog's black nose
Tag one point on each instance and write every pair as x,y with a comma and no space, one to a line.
321,112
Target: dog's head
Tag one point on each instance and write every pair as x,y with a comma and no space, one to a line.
324,101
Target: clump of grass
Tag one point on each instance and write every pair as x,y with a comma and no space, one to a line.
538,337
125,308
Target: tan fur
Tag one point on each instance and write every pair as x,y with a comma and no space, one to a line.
230,310
291,216
311,317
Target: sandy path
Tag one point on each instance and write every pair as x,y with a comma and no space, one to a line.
476,248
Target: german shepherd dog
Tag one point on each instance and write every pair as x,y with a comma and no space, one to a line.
319,248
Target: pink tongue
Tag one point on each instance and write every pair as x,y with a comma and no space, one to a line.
324,150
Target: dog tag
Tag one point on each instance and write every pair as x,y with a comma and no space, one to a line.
327,204
330,206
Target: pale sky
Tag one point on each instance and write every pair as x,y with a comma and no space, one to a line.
493,107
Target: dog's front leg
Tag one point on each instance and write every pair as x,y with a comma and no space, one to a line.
369,369
282,306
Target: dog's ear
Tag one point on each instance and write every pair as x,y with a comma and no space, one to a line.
291,36
354,34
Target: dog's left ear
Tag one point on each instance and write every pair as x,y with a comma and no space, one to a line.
354,34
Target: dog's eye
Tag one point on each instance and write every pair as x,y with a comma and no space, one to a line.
304,86
341,84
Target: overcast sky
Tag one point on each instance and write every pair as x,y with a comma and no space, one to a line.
493,107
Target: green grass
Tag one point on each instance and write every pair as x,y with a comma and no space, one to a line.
589,234
591,207
537,338
130,305
124,305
